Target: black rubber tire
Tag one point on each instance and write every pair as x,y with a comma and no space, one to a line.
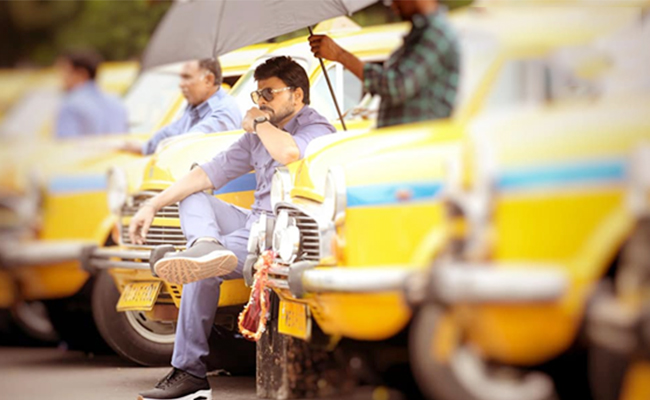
608,367
118,333
33,320
73,321
436,380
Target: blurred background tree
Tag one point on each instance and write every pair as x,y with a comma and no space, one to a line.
35,32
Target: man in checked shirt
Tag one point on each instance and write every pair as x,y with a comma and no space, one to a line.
420,79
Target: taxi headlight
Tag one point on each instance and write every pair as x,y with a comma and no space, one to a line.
281,186
334,200
117,189
30,205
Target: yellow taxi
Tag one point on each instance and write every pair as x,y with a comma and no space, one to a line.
546,203
368,210
146,306
54,203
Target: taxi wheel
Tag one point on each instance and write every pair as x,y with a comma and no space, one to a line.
32,318
616,346
464,375
130,334
73,321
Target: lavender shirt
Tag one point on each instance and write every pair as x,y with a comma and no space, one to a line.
248,154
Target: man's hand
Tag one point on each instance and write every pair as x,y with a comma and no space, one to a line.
139,226
324,47
248,123
132,146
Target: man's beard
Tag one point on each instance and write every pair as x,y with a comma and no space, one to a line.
276,117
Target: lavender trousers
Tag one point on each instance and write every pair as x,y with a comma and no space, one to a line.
202,215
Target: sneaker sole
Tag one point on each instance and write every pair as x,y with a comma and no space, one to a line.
186,270
198,395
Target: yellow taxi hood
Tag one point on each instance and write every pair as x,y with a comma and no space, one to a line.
173,162
596,136
310,173
60,160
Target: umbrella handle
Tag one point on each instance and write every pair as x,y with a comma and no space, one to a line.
329,85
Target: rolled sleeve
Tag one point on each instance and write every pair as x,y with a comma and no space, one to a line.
168,131
231,163
307,133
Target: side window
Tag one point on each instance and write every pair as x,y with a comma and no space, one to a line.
347,87
352,90
518,82
321,99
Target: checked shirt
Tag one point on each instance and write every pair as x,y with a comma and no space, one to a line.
420,79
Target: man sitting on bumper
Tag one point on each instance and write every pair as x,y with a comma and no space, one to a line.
217,232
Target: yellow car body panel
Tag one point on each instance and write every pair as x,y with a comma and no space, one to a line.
571,168
7,290
637,382
383,236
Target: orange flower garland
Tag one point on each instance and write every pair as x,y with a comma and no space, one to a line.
252,320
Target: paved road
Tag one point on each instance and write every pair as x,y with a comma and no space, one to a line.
54,374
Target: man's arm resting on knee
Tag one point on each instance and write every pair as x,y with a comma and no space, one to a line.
197,180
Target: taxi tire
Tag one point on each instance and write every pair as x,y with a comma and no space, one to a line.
608,367
73,321
118,332
436,380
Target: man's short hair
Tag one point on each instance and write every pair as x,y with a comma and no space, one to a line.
287,70
87,60
213,66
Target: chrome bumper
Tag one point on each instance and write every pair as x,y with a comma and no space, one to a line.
492,283
17,254
449,283
301,278
115,257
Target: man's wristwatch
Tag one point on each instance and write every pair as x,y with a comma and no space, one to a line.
259,120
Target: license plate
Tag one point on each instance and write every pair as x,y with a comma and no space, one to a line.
294,320
139,296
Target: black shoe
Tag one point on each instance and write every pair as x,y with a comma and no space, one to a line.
179,385
203,260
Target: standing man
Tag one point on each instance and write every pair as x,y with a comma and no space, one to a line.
86,110
210,108
217,232
420,79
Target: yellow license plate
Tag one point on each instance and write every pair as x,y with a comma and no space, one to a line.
139,296
294,320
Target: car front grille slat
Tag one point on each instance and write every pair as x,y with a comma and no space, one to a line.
157,235
309,233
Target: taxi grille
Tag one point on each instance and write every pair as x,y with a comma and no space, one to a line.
157,235
309,233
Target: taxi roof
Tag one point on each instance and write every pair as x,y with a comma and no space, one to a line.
537,29
234,63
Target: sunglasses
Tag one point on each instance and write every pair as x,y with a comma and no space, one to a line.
267,93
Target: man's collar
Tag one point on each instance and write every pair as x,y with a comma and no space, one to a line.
83,87
294,123
210,104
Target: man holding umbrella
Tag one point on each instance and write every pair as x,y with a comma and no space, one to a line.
420,80
217,232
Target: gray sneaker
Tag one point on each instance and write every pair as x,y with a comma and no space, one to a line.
204,259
